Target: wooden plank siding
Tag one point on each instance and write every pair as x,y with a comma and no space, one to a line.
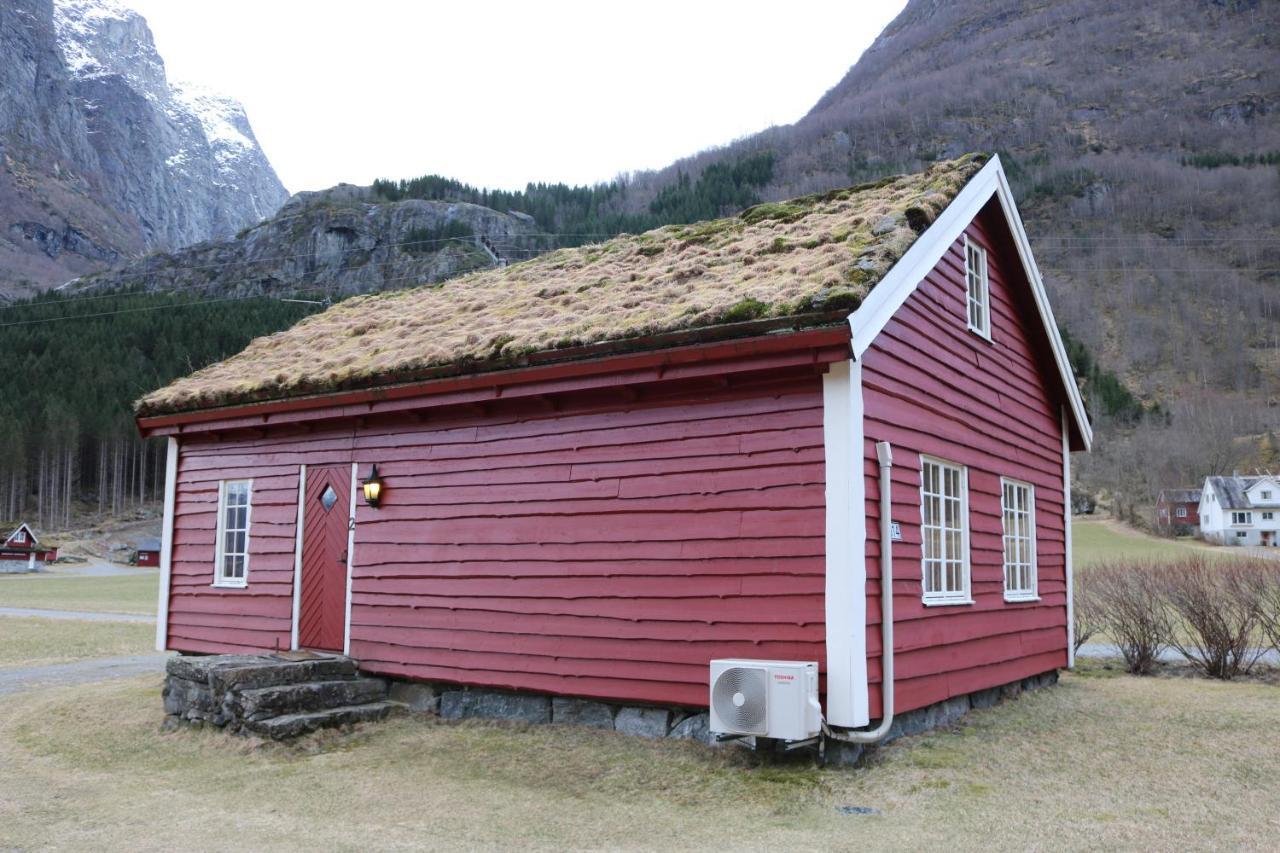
592,546
930,386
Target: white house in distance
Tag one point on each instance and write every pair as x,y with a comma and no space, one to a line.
1241,510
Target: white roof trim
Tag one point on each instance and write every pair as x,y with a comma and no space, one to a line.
905,276
31,535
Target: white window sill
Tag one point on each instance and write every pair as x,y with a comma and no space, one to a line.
229,584
1019,599
946,602
986,336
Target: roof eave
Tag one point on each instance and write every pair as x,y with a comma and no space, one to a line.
828,332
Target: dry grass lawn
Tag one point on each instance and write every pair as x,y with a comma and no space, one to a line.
116,594
1095,763
1094,542
36,642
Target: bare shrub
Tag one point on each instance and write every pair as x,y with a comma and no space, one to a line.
1130,607
1217,615
1261,589
1086,619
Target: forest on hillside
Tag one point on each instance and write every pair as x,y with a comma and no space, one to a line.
73,366
576,215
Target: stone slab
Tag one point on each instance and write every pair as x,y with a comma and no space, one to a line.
581,712
494,705
416,696
694,727
642,721
295,725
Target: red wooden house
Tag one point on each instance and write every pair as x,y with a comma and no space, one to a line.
1178,512
22,546
147,552
604,467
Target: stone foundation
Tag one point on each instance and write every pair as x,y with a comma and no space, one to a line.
451,702
944,713
281,698
460,703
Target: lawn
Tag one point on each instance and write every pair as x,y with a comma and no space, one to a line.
1094,763
1094,542
36,642
117,594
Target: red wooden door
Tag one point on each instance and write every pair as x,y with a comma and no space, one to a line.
322,610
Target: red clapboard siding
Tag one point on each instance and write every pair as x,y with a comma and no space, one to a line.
598,548
932,387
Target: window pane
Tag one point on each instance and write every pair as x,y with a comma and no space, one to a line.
932,549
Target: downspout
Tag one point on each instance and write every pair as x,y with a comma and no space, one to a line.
884,453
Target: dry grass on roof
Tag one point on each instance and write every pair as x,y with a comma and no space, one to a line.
820,253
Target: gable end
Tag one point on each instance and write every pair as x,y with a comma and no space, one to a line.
901,281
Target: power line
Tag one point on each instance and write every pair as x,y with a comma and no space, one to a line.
126,311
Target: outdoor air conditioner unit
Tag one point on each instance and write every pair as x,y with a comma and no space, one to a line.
768,698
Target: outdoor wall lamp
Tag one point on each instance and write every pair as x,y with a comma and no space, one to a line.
373,487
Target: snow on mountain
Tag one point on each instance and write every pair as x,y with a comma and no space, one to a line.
223,120
209,178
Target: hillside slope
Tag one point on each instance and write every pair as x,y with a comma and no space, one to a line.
103,157
1143,143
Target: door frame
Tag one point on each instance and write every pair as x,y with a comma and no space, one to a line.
297,560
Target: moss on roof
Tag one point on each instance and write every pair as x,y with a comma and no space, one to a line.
818,254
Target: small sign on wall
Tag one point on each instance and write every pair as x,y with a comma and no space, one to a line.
895,531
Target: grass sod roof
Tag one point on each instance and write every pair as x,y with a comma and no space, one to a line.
820,254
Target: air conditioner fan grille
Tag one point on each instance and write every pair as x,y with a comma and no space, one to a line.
739,695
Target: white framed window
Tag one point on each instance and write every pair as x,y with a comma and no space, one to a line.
1181,512
1018,512
978,288
1241,518
20,538
1266,495
1240,534
944,530
1268,516
231,566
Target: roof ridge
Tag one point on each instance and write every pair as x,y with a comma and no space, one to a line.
817,254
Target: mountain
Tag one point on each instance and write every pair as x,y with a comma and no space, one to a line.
1142,142
103,157
334,243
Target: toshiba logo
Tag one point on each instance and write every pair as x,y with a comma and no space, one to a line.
778,676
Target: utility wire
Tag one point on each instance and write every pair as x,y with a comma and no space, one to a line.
509,246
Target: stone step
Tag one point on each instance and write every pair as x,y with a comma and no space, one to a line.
260,703
247,672
295,725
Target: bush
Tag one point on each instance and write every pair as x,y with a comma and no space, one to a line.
1128,602
1086,619
1217,613
1261,588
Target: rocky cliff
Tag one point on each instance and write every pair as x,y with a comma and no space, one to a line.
338,242
103,157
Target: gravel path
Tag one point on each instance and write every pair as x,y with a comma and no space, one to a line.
80,672
94,568
1107,650
92,616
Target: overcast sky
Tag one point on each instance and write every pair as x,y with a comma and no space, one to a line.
498,93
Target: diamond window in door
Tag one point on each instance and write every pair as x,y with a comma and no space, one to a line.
328,498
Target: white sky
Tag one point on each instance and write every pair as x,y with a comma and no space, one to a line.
501,93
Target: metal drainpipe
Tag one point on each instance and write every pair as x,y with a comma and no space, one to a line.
884,453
